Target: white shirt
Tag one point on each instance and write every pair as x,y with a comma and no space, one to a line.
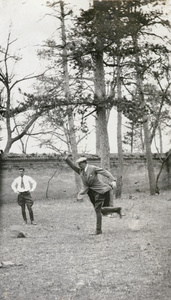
29,184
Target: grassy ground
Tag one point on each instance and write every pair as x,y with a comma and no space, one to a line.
58,259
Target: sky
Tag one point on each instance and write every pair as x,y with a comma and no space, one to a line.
30,26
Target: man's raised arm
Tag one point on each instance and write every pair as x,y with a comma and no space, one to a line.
71,164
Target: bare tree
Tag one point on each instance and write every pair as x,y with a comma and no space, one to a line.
67,92
8,82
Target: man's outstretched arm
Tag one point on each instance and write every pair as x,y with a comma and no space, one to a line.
71,164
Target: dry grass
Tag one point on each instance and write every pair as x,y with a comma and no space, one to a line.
58,259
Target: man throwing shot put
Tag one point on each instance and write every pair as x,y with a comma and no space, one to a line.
23,185
98,191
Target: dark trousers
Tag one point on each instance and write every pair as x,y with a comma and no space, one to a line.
101,206
25,199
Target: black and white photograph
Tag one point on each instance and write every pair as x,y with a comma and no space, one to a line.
85,150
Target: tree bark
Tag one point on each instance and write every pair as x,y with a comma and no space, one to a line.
100,95
149,157
119,183
104,142
71,133
97,136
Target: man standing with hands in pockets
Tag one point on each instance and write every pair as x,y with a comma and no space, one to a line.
23,185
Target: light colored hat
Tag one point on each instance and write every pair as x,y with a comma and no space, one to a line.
81,159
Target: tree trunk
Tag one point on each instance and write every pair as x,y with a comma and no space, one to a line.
8,121
119,183
100,96
150,165
97,137
72,139
11,140
8,146
104,142
149,157
141,138
160,138
71,133
132,138
119,137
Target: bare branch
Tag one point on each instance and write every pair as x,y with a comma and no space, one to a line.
34,118
27,77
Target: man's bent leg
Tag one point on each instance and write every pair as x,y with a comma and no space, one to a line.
109,210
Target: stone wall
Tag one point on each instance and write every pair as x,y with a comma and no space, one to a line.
56,180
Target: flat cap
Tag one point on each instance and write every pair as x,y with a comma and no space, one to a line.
81,159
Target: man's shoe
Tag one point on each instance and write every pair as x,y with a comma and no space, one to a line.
25,222
33,223
96,232
119,212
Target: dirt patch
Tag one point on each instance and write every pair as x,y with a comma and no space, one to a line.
58,259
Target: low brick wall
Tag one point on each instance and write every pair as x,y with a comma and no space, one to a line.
56,180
